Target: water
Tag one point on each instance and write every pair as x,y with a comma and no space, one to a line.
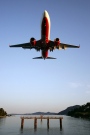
70,126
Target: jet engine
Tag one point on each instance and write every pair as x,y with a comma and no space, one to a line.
57,42
33,41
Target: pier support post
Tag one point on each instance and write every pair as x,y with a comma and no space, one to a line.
41,117
22,123
60,123
35,123
48,123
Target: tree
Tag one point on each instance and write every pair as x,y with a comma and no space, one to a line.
2,112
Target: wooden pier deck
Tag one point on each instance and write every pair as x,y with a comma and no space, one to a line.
40,117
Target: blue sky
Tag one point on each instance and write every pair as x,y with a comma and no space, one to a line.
28,85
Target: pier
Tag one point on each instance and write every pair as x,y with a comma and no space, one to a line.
40,117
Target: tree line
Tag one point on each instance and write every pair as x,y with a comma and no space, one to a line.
2,112
82,111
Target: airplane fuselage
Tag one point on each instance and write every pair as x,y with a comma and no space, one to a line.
45,33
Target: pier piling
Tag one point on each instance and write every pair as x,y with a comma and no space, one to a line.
22,123
48,123
41,118
60,123
35,123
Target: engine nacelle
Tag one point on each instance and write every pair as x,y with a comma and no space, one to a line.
33,41
57,42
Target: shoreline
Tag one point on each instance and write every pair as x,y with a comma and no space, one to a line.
2,116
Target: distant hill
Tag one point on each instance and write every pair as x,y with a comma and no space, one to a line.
65,112
75,111
83,111
36,113
44,113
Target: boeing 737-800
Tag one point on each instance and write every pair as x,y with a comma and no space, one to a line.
44,44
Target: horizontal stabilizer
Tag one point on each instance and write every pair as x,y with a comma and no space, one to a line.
50,58
38,58
44,58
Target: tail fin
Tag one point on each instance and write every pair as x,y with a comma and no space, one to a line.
44,58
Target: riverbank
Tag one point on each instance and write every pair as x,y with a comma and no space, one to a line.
2,116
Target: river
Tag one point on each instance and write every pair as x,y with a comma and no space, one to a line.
70,126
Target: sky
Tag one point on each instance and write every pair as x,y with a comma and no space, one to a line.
28,85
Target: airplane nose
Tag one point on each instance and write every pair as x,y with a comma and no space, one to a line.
45,14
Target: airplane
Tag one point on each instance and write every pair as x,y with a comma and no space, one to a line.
45,44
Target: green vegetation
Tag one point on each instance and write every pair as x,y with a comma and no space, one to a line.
83,111
2,112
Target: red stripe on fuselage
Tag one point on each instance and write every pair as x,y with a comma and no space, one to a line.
45,53
45,30
45,35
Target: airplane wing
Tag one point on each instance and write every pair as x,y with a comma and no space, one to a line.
68,46
28,45
24,45
62,45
